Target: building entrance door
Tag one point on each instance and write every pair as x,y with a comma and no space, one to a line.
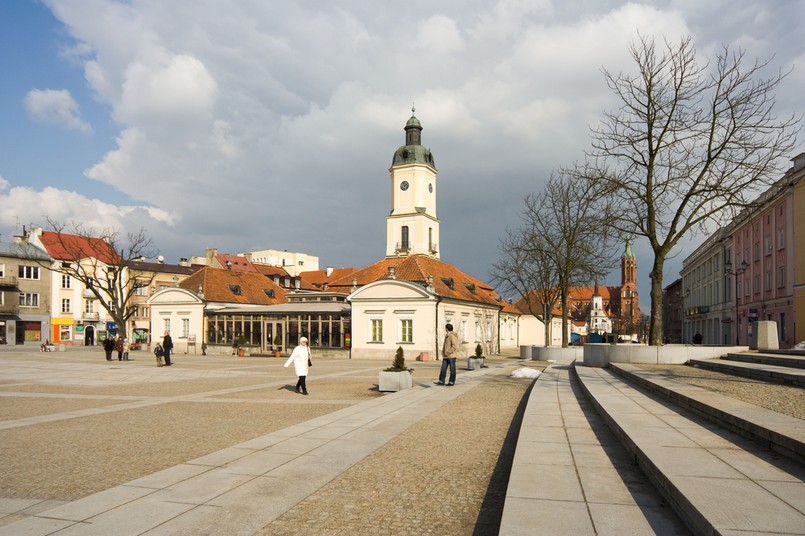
275,336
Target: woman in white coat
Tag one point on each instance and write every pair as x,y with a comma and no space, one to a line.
300,358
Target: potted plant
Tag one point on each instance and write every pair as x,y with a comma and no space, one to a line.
277,345
476,361
397,377
241,343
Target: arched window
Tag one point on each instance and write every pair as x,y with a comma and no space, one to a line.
404,237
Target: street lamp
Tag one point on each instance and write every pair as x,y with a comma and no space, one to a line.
735,274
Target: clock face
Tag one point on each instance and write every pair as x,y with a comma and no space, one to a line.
404,185
430,188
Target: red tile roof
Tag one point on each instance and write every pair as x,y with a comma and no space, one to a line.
67,247
448,281
229,286
316,279
237,263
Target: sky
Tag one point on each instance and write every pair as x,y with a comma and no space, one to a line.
256,124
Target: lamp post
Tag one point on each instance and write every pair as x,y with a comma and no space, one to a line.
735,274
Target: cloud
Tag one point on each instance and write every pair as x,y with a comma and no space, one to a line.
243,127
28,205
57,107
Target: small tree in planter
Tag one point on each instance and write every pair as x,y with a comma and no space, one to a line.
476,361
397,377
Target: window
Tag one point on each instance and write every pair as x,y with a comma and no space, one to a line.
236,290
185,327
89,306
65,281
377,329
166,325
65,305
767,280
2,270
781,277
781,239
756,250
768,245
757,284
406,330
141,291
29,299
404,237
28,272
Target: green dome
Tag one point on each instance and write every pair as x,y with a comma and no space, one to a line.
413,152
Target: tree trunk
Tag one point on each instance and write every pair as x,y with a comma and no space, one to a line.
655,324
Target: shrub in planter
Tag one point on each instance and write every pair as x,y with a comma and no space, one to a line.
476,361
397,377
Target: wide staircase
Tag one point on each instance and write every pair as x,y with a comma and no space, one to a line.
722,466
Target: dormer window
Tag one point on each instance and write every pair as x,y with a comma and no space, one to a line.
236,290
449,282
470,286
269,292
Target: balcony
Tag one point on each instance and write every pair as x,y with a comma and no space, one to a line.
88,295
91,316
402,246
8,281
433,247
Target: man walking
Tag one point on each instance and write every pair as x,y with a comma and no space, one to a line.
450,353
167,346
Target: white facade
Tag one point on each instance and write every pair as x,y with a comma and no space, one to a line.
181,313
392,313
292,262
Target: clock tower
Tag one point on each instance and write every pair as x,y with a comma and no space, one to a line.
412,226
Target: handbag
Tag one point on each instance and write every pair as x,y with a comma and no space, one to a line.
309,362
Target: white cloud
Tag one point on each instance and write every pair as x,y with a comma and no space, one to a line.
231,120
57,107
439,35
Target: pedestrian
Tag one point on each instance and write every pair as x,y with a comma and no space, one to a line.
125,349
159,353
119,346
167,346
300,357
108,347
450,353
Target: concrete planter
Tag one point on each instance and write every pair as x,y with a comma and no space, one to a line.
475,363
395,381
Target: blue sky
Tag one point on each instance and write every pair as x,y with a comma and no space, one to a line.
250,125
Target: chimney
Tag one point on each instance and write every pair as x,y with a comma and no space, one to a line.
799,161
392,272
209,255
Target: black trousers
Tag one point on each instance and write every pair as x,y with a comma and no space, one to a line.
301,383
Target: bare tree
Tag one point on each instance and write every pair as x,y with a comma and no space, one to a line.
563,243
525,271
689,145
101,262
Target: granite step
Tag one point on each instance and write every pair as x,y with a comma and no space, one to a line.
717,481
776,431
773,373
769,358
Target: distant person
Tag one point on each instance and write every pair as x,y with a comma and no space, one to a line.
450,354
159,353
108,347
167,346
119,347
300,357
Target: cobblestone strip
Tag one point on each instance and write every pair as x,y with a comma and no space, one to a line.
431,479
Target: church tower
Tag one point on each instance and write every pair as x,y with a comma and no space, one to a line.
629,305
412,226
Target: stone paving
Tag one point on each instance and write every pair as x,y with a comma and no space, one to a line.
75,425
